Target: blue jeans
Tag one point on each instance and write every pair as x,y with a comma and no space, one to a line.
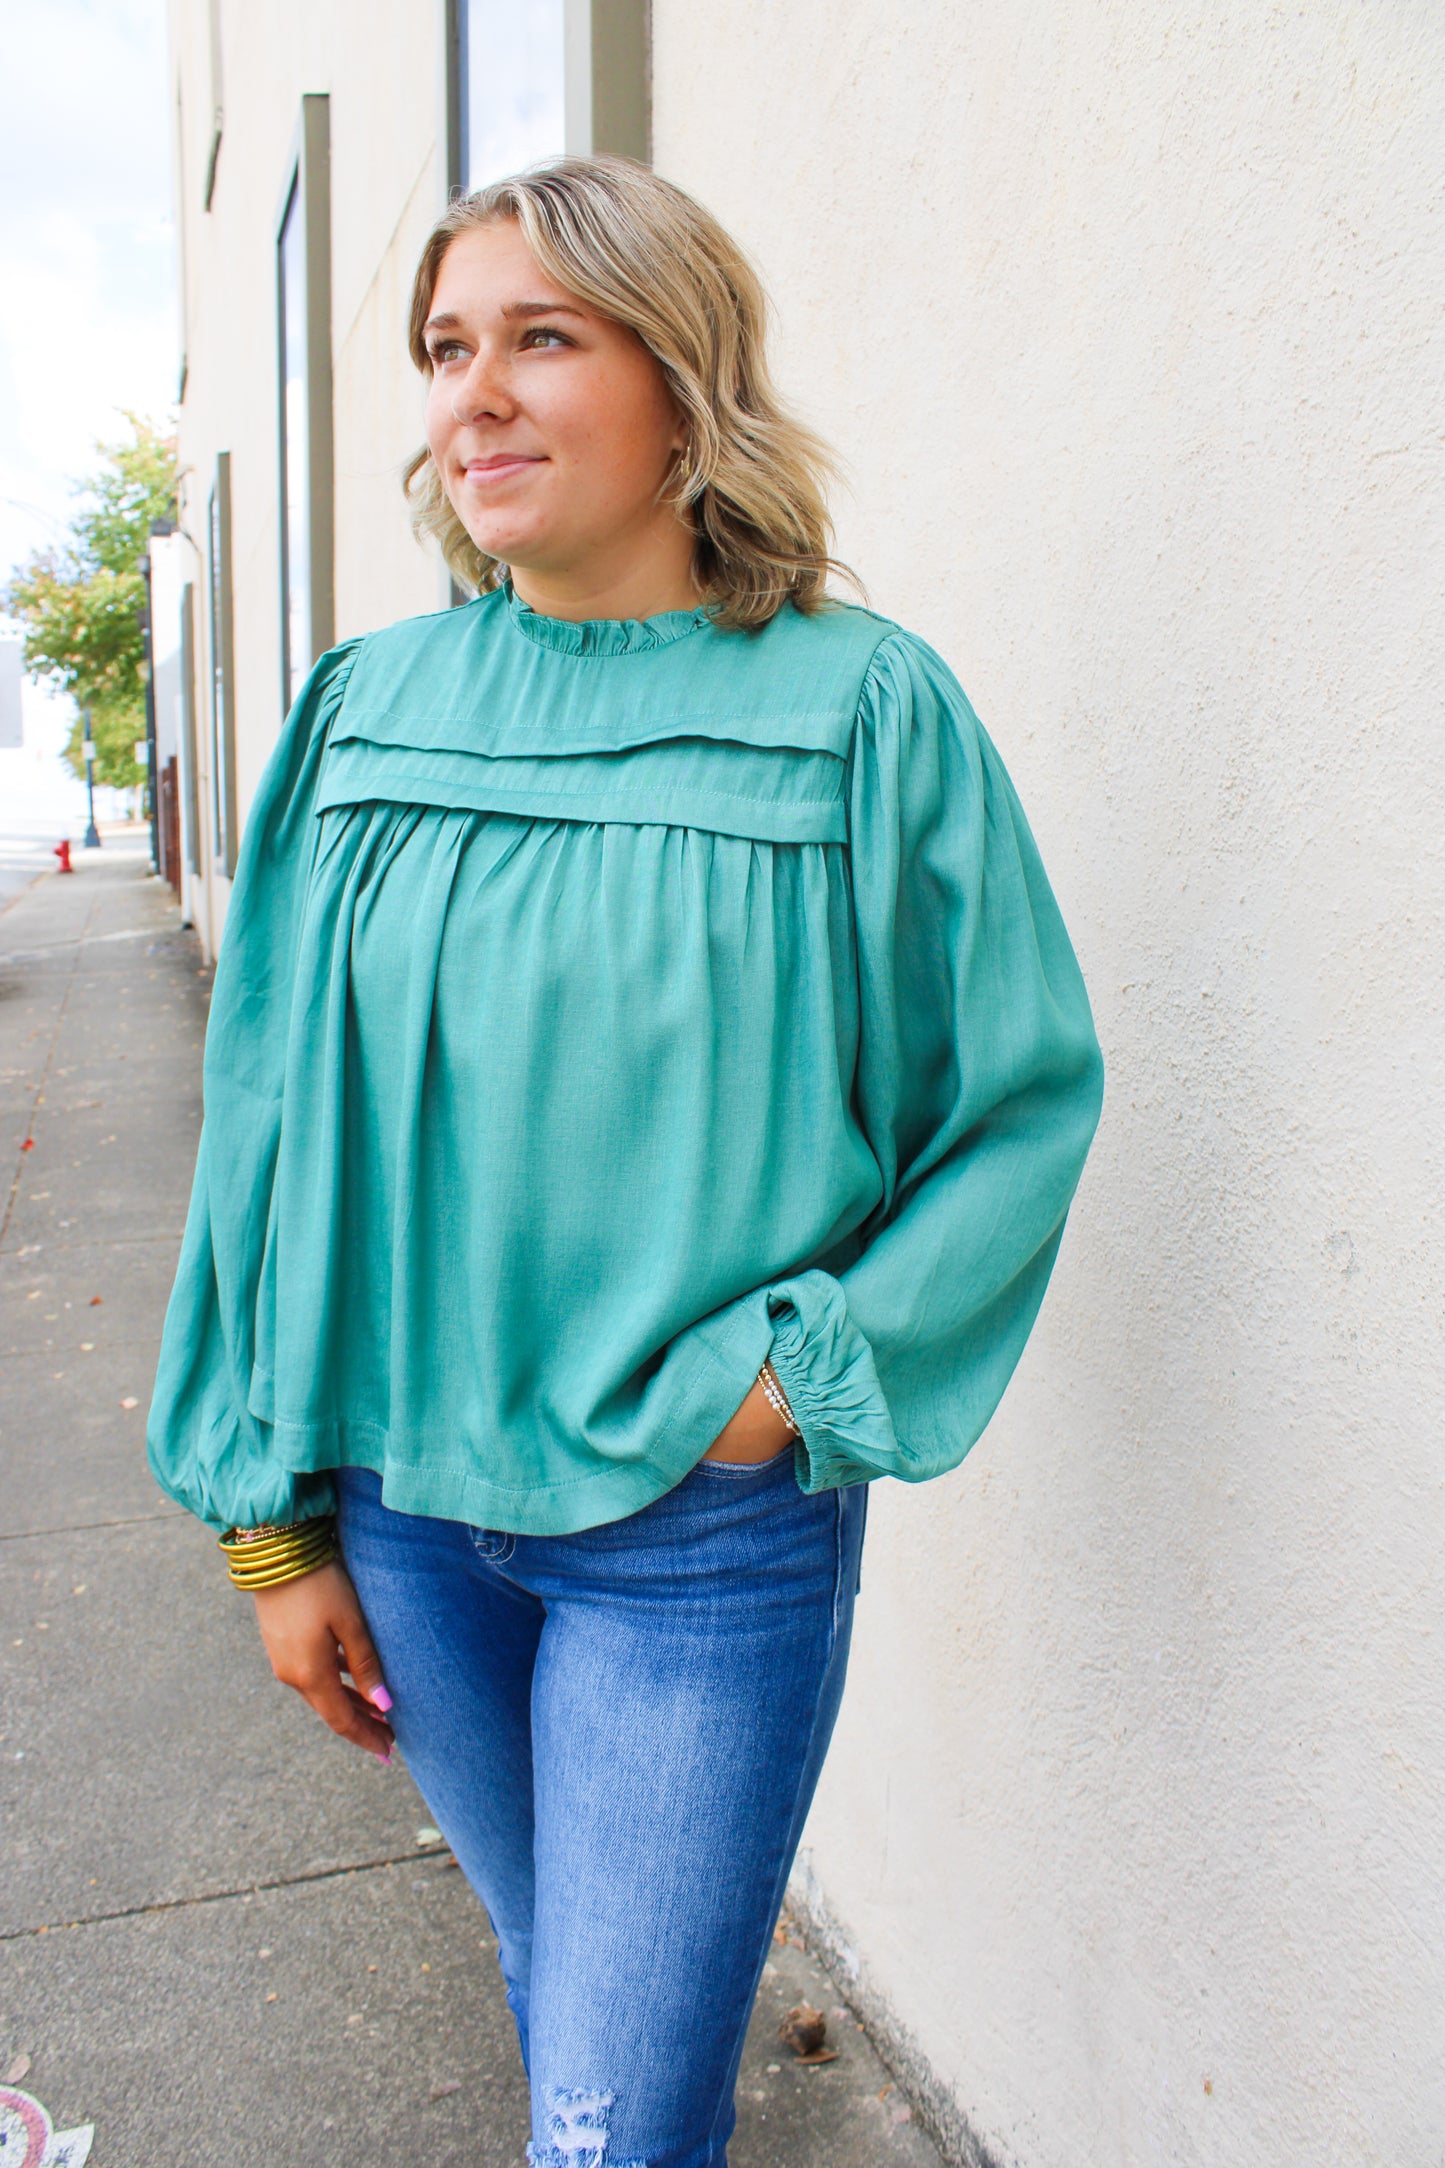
619,1732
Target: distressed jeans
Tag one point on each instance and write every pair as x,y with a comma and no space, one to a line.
618,1733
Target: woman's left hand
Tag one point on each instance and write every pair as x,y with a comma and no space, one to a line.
757,1432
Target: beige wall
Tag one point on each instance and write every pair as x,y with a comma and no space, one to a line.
387,186
1129,323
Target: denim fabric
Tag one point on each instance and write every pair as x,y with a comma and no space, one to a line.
618,1733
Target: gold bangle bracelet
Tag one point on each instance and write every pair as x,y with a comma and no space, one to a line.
285,1569
278,1555
291,1570
248,1539
264,1557
282,1573
255,1554
246,1569
247,1549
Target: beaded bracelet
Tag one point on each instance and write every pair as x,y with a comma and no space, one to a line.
777,1399
264,1557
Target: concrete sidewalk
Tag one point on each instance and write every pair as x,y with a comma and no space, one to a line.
224,1937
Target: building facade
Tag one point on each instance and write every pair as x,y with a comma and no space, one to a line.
312,157
1127,325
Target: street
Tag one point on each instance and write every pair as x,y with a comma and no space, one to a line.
224,1937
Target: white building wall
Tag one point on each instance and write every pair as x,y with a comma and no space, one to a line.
1128,322
383,78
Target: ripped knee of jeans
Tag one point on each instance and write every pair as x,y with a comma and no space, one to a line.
576,2130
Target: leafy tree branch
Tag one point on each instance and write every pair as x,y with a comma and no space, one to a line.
82,604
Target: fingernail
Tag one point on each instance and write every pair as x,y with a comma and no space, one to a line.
387,1758
381,1699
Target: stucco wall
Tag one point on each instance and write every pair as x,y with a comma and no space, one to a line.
386,189
1128,322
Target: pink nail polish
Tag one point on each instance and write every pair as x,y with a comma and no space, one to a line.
381,1699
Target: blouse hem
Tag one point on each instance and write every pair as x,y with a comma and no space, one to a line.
608,1496
709,1391
540,1509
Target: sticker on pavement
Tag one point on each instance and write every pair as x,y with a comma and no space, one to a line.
28,2139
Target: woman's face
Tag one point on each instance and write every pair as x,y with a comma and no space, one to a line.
552,427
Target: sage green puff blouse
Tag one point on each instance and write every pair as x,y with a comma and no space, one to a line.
604,1007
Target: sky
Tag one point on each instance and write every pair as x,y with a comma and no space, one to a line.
87,261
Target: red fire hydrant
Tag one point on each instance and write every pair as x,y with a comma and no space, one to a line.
62,852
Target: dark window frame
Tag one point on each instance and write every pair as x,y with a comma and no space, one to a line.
607,90
189,735
223,670
307,195
218,103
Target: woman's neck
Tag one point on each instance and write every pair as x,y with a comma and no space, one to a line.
645,586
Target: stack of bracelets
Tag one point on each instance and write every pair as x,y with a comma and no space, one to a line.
777,1398
263,1557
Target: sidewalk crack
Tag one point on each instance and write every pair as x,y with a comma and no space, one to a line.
80,1528
221,1896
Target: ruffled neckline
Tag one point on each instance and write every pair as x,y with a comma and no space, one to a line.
602,635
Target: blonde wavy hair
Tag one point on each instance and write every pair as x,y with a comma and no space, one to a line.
751,479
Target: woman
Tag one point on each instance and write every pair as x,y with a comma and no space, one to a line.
646,1081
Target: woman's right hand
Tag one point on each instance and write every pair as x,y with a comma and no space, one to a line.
314,1630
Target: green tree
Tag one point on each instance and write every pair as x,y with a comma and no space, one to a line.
82,604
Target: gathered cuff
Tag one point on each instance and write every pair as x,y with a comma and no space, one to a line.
281,1498
825,1366
236,1480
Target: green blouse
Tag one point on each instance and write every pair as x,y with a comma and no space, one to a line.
605,1007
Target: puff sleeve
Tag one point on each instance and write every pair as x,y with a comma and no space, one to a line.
978,1085
207,1449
